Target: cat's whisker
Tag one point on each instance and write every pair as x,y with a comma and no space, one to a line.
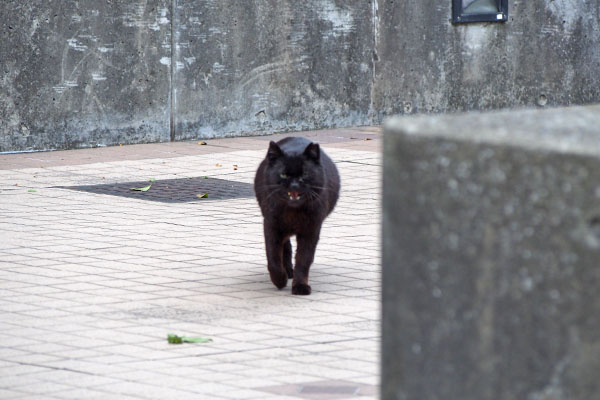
272,193
312,195
320,188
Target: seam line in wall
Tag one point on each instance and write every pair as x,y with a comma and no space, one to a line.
172,71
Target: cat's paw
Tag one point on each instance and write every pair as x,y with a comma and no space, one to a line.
301,289
279,279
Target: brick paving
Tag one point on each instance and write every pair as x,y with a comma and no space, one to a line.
91,283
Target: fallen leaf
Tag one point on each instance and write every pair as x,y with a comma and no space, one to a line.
196,340
174,338
202,143
202,196
219,165
151,180
368,138
32,190
171,338
143,189
205,177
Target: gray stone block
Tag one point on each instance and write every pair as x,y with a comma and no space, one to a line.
491,256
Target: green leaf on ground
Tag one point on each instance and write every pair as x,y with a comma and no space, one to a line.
174,338
143,189
151,180
171,338
196,340
205,177
32,190
202,196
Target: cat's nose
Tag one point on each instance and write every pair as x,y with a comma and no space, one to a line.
294,185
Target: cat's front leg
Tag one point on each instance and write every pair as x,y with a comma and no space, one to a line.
274,247
287,259
305,254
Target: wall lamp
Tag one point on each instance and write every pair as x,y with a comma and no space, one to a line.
479,11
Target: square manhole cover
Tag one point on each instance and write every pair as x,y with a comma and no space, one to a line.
182,190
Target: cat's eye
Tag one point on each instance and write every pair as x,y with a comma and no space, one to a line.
283,176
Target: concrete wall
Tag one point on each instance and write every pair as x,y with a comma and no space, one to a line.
272,65
545,54
491,248
85,73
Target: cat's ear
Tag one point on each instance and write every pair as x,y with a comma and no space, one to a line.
274,151
313,152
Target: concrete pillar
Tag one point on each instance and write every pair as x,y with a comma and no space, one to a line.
491,256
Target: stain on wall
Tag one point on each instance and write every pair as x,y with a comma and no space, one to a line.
84,74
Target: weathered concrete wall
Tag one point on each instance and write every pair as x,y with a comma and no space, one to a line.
86,73
83,73
546,53
272,65
491,255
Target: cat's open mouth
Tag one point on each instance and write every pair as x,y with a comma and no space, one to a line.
294,195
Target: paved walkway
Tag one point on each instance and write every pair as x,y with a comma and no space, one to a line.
92,282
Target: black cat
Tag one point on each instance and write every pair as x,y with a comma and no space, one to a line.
297,186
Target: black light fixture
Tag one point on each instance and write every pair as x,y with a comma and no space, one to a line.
479,11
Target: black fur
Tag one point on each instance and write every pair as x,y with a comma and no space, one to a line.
297,186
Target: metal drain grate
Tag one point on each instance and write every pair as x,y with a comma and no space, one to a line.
182,190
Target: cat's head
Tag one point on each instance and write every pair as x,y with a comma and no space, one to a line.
295,178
